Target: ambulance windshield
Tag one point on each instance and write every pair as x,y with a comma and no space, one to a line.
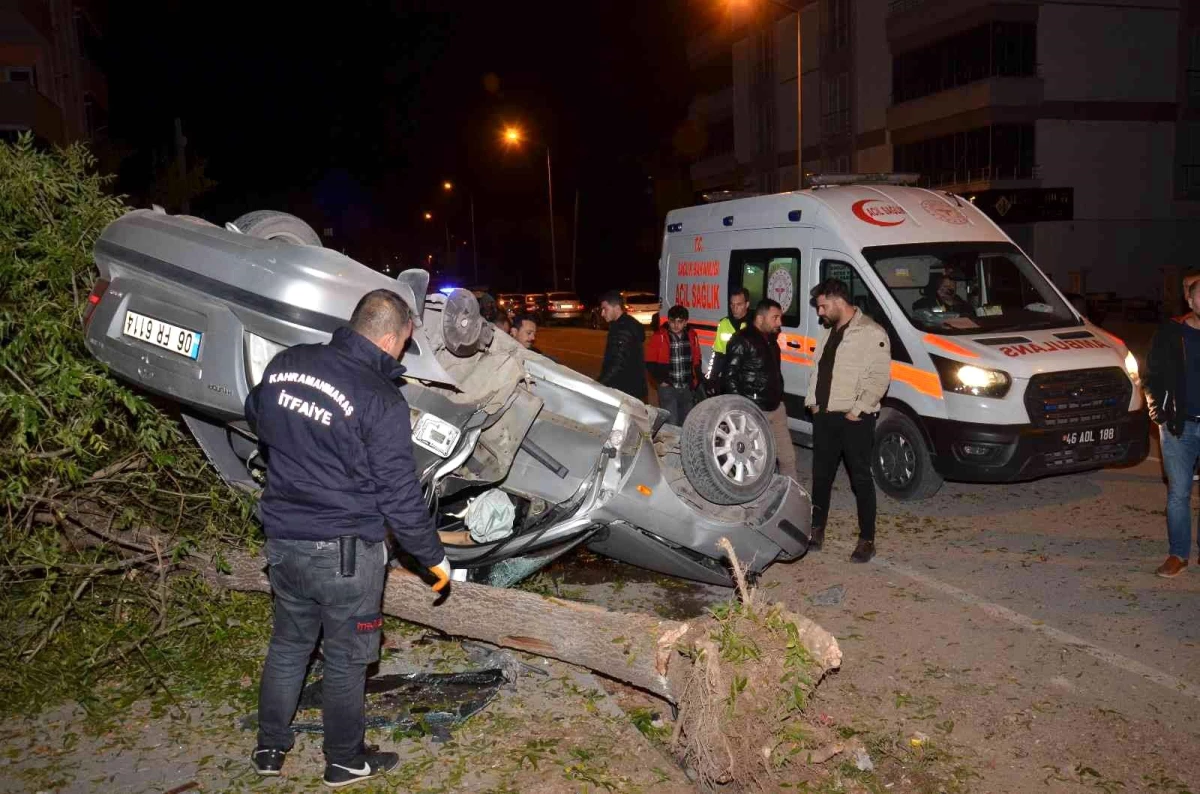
968,288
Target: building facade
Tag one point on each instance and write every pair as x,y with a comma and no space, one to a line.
1075,124
50,84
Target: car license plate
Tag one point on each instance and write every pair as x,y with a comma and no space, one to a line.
1095,435
181,341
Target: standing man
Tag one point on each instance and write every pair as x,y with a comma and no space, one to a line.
673,360
1172,386
736,320
623,367
853,371
752,370
336,434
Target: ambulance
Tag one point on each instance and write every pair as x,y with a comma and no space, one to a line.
996,377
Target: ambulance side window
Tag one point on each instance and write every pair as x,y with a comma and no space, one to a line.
861,297
769,273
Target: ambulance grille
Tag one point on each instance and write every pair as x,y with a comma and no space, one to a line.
1077,397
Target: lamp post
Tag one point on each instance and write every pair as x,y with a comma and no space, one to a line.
512,137
448,187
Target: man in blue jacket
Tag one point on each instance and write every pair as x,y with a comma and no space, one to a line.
336,434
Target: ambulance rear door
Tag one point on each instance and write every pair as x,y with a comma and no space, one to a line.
774,263
694,277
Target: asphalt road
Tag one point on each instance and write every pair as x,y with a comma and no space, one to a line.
1028,614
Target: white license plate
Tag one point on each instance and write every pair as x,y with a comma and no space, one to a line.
1095,435
182,341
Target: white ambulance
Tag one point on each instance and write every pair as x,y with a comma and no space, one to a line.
995,376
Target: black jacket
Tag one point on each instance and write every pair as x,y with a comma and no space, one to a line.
1165,381
752,368
624,365
337,437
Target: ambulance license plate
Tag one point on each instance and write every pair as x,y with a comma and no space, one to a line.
1094,435
181,341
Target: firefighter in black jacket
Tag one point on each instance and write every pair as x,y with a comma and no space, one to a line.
336,434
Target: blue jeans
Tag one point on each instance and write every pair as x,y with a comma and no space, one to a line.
1180,454
678,402
310,597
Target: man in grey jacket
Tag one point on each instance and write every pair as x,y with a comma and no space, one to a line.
852,373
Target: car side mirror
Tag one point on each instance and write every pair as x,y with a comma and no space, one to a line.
418,281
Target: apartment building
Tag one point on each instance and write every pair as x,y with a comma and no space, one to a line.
49,82
1075,124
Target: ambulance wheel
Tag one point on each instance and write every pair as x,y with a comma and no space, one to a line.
901,462
728,450
273,225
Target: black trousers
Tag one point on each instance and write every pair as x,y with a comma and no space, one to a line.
835,437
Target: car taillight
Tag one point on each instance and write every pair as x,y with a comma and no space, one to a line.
93,300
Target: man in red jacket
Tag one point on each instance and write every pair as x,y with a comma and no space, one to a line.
673,360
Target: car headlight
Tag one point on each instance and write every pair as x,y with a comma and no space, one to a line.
970,379
1131,366
259,353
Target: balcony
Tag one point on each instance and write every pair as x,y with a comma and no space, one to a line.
964,180
22,107
980,95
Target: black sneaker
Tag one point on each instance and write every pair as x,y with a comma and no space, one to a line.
366,766
816,538
864,551
268,762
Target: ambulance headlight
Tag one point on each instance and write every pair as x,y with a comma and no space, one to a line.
259,353
977,381
1131,367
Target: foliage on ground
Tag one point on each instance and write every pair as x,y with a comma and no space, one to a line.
743,715
86,614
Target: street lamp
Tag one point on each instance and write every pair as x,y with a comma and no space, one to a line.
513,137
448,186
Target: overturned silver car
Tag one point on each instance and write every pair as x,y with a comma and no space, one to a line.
194,312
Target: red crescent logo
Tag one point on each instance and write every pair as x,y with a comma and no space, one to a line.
875,215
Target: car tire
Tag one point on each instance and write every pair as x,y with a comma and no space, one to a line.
728,450
273,225
901,461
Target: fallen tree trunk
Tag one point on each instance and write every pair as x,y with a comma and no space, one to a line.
641,650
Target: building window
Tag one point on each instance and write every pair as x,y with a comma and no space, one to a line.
19,74
1193,65
838,36
1189,160
996,49
720,138
985,154
835,96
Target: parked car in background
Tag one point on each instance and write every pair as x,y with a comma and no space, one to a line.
511,302
194,312
564,307
535,304
641,306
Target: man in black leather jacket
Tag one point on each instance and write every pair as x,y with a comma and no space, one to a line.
1172,384
752,370
624,366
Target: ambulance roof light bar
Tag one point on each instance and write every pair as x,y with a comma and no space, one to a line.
830,180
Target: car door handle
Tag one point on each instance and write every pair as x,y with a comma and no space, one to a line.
794,344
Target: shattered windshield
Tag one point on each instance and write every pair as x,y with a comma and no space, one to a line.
964,288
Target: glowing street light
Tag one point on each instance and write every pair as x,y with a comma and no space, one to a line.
512,137
429,216
447,185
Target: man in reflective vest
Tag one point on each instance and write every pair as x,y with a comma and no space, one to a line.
739,304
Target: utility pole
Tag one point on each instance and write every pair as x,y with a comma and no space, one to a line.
575,242
474,247
185,204
550,190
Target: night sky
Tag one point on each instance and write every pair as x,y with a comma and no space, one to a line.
352,114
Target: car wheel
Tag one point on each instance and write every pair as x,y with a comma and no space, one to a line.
272,225
901,461
727,449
